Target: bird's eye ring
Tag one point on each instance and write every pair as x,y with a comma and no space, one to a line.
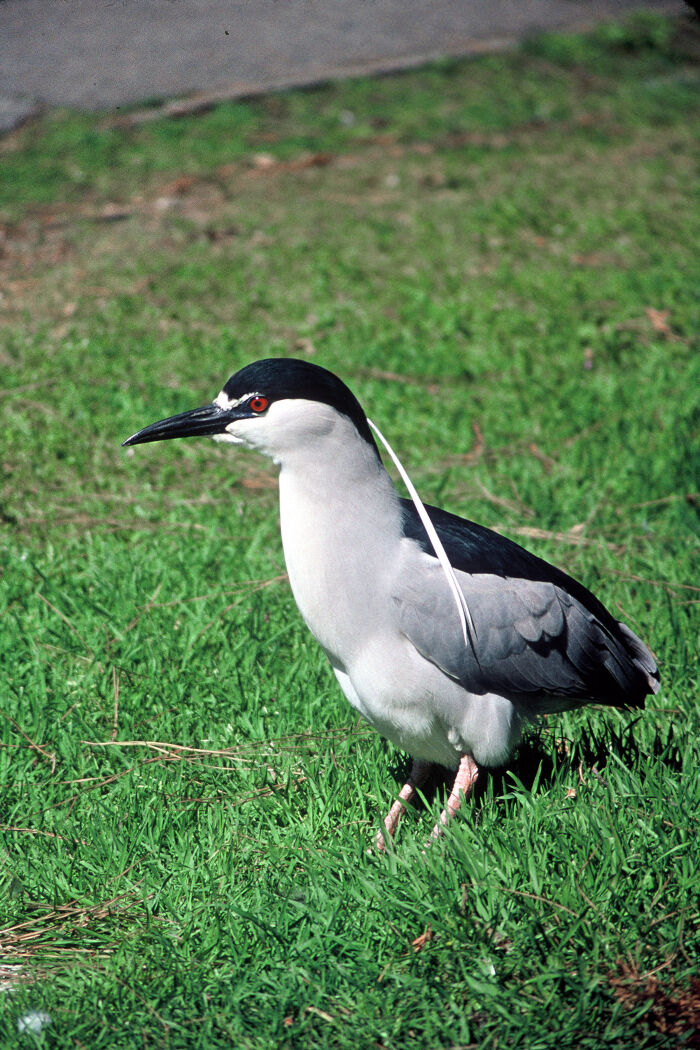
258,404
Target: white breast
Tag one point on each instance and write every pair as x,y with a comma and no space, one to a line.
341,533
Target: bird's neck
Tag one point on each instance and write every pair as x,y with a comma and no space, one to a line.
340,518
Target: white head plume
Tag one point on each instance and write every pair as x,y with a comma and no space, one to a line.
465,617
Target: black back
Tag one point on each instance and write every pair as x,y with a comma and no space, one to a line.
474,548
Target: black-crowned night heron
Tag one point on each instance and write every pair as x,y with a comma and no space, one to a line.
447,637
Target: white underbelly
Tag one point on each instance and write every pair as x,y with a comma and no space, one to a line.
418,708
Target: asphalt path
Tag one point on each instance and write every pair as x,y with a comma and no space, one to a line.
103,54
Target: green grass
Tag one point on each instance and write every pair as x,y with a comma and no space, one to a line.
500,257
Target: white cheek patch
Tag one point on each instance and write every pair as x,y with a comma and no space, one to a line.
235,432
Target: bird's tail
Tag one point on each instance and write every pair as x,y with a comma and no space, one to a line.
640,656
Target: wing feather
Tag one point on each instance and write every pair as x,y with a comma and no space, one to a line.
533,640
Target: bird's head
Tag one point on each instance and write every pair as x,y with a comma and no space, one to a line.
277,406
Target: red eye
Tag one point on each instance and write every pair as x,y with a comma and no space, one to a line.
258,404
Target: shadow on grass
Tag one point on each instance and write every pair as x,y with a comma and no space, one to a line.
542,758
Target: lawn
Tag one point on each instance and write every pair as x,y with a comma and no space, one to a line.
500,257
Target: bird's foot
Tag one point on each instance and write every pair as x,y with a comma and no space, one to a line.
461,789
392,818
420,772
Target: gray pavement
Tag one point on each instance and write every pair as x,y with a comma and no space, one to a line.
101,54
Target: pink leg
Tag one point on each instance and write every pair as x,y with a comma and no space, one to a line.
420,772
462,788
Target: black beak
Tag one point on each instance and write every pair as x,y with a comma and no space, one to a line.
210,419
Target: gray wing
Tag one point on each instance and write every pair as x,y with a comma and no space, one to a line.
532,640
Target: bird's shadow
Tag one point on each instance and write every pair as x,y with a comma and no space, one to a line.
543,757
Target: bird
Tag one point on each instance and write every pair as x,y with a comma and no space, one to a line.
447,637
